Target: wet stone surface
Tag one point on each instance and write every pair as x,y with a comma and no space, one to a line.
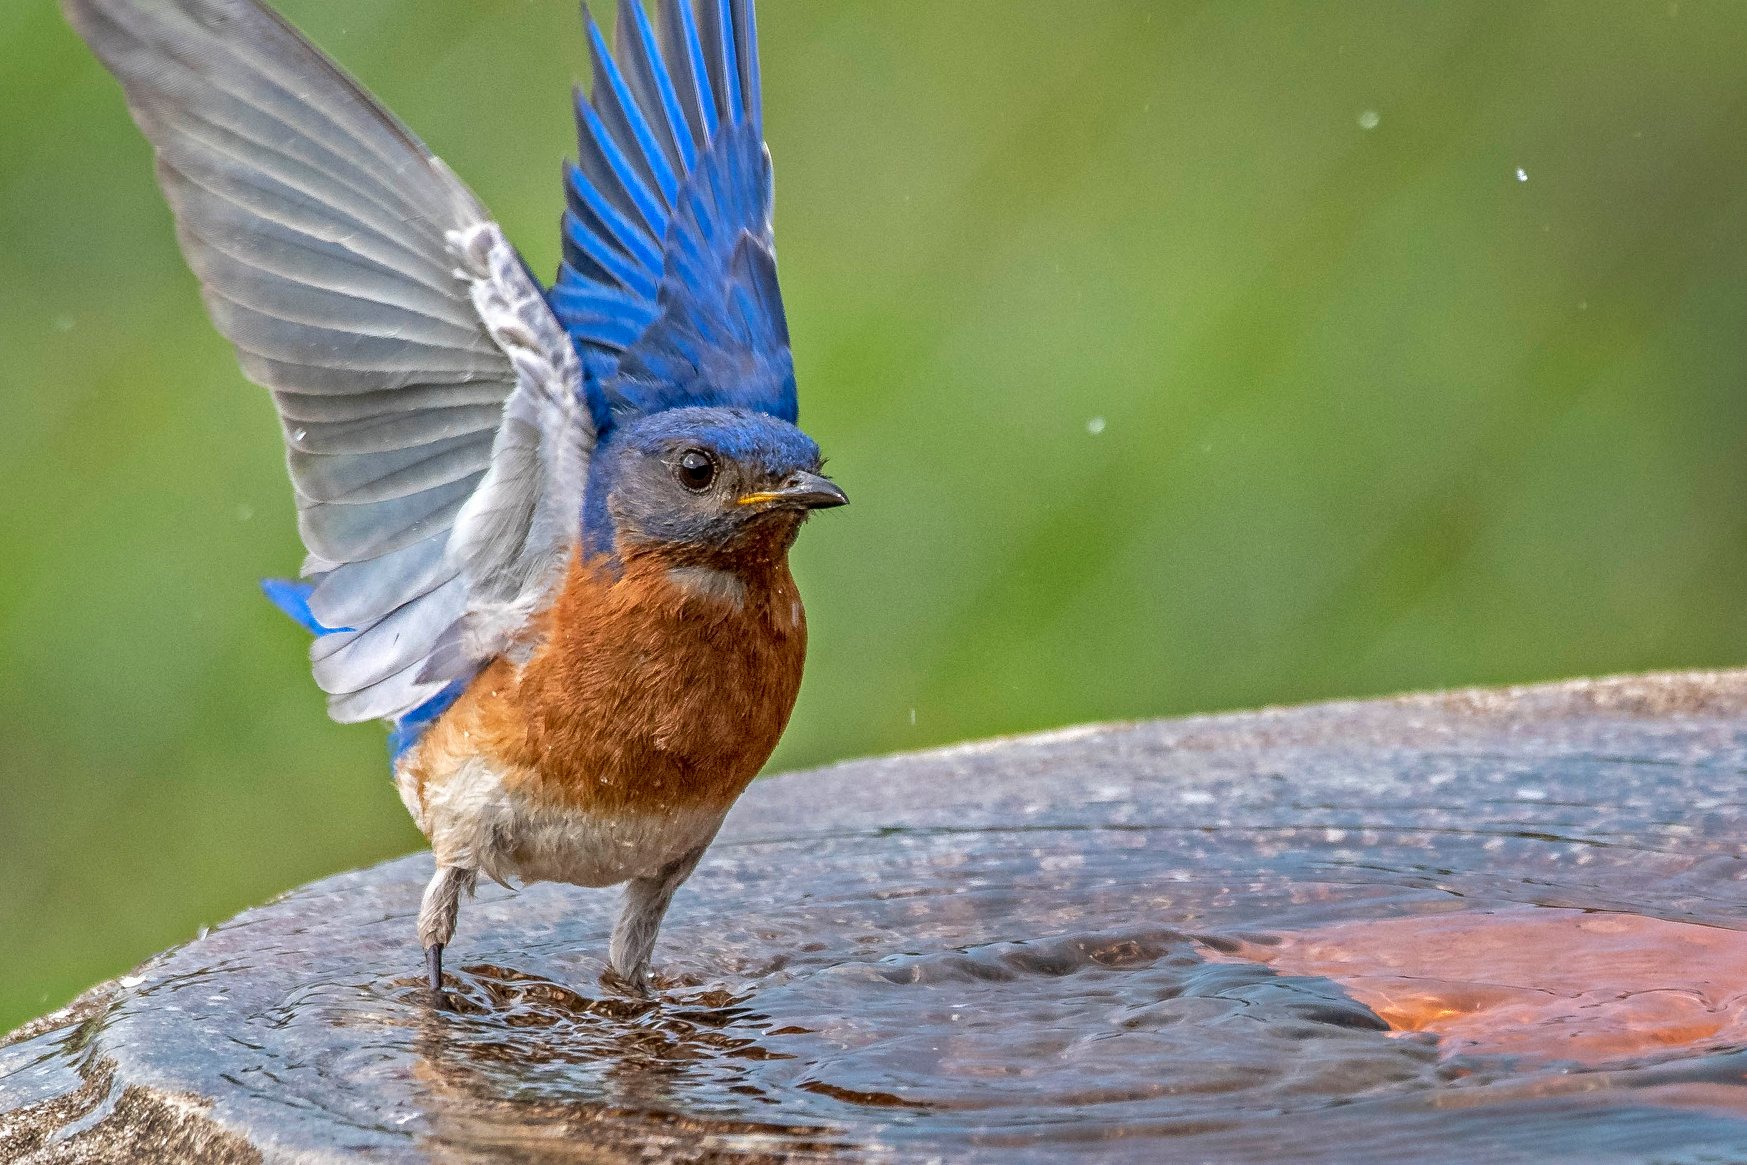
1477,927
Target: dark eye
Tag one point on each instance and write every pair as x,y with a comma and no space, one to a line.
696,470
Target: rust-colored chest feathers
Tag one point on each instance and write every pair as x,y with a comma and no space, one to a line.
661,688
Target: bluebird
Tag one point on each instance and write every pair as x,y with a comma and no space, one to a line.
547,527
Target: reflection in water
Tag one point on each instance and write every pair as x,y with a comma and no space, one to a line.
1462,941
639,1058
1548,984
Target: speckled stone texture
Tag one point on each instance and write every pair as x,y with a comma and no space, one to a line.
1026,949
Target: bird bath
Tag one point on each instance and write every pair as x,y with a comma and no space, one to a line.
1486,926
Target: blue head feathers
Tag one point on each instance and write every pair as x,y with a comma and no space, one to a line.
668,285
758,443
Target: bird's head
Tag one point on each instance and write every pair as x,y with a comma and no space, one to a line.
704,484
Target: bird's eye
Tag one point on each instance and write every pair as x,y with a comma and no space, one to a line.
696,470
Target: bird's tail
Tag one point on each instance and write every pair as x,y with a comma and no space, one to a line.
293,599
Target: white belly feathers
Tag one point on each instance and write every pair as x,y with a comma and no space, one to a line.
473,821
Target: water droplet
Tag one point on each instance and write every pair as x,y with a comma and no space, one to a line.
1370,119
300,434
63,323
245,512
1522,175
1095,426
912,717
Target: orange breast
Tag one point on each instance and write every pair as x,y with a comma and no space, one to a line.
646,695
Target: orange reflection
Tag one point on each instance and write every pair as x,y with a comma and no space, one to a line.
1546,983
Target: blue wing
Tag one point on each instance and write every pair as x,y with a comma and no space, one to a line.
668,285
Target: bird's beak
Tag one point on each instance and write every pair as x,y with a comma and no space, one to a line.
801,490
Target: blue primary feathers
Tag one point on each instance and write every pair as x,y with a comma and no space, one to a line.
668,284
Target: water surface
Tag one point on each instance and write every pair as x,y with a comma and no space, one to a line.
1463,928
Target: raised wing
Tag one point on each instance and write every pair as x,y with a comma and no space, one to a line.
430,401
669,277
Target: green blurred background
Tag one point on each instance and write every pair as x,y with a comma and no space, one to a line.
1178,356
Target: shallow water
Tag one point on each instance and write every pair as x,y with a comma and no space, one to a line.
1423,931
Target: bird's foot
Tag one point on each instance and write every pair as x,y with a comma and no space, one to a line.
633,986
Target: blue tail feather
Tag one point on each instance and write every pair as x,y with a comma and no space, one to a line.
293,599
409,728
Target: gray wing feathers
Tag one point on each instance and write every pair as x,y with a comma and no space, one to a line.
515,535
407,350
353,598
391,699
355,661
351,534
355,479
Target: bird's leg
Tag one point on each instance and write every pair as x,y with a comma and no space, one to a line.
434,967
646,903
437,918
